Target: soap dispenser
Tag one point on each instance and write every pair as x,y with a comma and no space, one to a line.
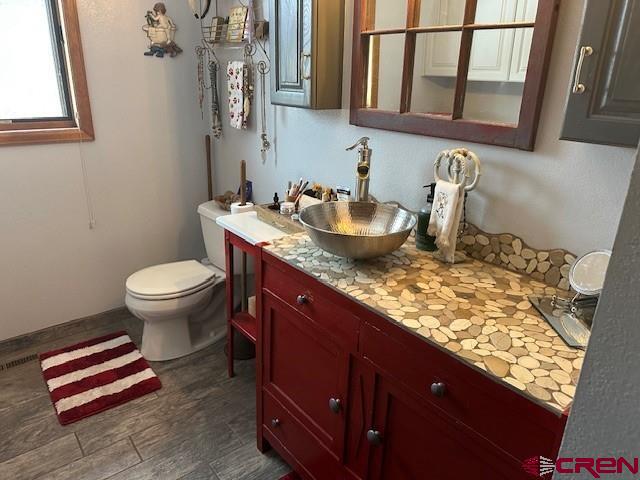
425,241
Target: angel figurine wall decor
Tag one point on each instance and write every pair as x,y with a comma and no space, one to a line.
160,30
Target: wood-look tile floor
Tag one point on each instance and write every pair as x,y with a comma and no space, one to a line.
200,425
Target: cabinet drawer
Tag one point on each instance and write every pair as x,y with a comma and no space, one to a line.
291,439
507,419
317,302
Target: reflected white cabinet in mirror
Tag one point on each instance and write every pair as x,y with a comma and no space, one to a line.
498,55
525,12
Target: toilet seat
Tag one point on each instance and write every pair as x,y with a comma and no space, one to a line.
172,280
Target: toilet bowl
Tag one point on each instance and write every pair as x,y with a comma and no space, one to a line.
182,304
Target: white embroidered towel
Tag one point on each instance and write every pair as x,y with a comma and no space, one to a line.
445,217
235,76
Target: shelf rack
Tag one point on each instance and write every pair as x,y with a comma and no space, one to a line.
217,35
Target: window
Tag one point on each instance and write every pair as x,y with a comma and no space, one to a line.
463,69
43,90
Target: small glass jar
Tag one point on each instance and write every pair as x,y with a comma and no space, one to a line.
287,208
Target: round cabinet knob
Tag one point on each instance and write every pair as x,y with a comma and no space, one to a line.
374,437
302,299
275,423
438,389
335,405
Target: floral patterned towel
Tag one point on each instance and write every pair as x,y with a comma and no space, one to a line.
445,217
235,75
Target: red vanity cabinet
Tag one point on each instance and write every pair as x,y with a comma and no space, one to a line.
305,371
306,338
394,433
411,441
344,393
444,384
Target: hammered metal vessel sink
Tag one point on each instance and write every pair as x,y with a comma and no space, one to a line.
358,230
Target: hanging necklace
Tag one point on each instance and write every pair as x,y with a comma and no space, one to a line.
247,84
263,69
216,121
201,83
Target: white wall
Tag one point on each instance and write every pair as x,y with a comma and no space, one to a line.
146,173
604,416
564,194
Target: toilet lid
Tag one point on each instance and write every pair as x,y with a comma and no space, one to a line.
169,279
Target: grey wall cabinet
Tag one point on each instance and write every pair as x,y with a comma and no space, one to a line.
604,100
306,45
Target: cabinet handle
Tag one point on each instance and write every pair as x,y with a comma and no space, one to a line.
275,423
335,405
374,438
578,87
302,299
438,389
303,57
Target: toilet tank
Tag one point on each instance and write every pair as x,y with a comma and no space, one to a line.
212,233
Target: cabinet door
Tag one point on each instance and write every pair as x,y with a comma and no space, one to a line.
359,418
291,52
442,50
305,370
491,50
526,12
411,441
607,109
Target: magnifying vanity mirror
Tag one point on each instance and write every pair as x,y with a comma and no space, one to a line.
588,272
572,318
463,69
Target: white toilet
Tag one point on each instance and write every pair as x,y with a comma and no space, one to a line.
182,304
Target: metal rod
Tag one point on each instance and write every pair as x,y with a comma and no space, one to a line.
243,183
207,145
243,283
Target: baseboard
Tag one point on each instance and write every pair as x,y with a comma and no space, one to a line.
56,331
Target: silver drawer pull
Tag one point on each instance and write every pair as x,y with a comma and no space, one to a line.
579,88
302,300
438,389
374,437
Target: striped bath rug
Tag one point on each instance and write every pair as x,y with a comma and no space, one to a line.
93,376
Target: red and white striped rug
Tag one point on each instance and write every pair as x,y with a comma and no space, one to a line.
93,376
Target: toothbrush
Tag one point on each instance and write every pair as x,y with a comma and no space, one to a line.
299,196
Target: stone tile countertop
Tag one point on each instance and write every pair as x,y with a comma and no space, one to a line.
476,311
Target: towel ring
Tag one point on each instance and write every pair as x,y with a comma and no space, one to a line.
458,169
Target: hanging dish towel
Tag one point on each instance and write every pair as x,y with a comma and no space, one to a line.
235,75
445,217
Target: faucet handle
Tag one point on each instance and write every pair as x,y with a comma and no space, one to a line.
364,141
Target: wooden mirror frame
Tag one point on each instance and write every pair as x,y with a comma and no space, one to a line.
521,136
